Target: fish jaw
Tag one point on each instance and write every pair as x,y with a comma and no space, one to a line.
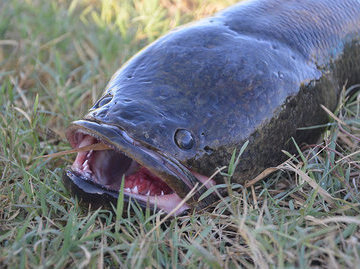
150,177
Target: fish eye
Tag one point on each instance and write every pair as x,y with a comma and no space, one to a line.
184,139
103,101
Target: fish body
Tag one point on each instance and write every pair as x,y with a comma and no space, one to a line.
176,111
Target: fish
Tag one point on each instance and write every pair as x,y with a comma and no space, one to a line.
173,114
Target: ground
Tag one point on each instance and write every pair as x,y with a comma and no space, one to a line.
55,59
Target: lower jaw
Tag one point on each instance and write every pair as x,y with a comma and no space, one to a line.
97,196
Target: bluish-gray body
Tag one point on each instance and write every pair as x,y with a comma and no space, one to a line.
256,71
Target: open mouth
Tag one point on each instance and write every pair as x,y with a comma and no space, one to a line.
106,169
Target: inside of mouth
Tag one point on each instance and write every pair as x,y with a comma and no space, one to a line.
108,168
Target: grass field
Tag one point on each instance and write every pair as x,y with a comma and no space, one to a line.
55,60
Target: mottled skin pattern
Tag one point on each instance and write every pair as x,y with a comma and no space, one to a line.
256,71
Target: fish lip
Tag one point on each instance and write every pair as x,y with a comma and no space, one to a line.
90,191
174,174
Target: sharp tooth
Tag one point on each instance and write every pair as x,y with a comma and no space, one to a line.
85,166
85,163
127,189
89,154
148,193
135,190
162,193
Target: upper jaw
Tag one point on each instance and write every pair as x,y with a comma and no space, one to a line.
177,177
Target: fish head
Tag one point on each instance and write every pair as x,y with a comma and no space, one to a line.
151,115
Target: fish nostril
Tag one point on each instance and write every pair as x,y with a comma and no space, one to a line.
184,139
103,101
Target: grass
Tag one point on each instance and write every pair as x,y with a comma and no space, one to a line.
55,59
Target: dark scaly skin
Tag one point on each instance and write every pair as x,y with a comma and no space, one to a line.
256,71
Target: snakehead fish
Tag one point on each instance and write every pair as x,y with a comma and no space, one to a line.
176,111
